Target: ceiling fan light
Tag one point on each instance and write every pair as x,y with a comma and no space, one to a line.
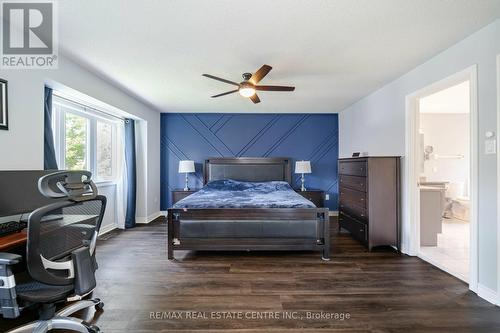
247,91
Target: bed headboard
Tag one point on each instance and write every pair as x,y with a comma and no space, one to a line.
248,169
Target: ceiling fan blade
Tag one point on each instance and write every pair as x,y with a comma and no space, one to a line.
259,75
226,93
220,79
255,98
274,88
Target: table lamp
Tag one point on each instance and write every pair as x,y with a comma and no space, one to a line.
302,167
186,167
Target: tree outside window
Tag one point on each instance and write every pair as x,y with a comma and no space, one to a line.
75,142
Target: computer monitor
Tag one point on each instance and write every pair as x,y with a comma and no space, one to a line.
19,192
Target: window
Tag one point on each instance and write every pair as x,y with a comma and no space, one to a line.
85,139
75,145
104,150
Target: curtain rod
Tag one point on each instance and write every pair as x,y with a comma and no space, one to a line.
89,107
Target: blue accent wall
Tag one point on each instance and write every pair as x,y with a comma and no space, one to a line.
190,136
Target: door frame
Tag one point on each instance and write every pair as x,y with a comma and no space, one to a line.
411,200
498,180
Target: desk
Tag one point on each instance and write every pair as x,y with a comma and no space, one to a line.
19,238
13,240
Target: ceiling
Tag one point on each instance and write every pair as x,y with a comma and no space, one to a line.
334,52
455,99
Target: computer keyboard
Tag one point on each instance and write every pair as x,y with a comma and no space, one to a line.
11,227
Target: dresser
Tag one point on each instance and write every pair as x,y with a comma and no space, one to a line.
369,199
317,197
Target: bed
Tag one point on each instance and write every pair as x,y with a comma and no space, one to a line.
247,204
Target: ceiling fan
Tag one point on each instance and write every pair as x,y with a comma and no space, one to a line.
248,87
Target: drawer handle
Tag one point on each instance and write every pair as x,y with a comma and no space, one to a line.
361,184
361,230
362,199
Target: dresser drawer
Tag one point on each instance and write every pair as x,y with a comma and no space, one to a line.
358,213
357,168
354,182
357,229
356,198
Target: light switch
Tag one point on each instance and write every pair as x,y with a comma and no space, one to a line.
327,196
490,147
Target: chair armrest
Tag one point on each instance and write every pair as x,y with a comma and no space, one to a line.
9,258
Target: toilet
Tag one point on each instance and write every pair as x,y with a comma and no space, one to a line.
459,204
460,208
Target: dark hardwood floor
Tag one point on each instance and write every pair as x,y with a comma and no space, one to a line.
380,291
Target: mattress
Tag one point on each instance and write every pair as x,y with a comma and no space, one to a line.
229,193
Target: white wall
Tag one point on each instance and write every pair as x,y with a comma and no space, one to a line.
448,134
142,170
376,124
21,147
109,219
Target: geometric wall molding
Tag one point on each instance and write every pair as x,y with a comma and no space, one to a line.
198,136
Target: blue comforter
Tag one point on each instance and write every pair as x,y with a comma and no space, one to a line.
236,194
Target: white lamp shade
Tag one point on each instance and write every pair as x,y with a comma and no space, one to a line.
186,166
302,167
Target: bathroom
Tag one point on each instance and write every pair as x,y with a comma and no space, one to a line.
445,179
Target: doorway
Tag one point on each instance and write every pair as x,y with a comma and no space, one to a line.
441,165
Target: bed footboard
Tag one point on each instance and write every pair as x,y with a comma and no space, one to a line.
238,229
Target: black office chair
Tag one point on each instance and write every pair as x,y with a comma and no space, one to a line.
60,256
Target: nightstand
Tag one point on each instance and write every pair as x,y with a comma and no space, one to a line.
179,194
316,196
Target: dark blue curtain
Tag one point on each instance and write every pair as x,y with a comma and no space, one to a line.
131,172
49,152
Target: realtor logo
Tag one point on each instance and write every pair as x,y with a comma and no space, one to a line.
28,35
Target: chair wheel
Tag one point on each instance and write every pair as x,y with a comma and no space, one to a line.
99,306
94,329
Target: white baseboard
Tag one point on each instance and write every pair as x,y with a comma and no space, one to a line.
148,219
488,294
107,228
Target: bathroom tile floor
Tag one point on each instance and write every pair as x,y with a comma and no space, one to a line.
452,252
